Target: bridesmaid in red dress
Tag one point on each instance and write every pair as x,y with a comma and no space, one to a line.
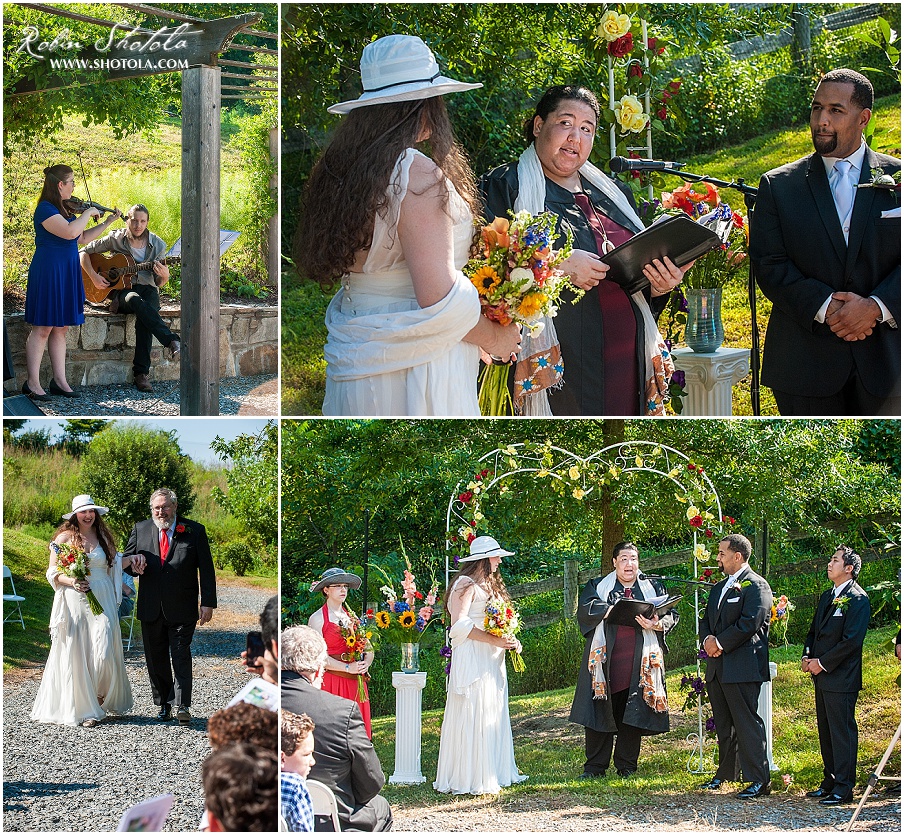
343,677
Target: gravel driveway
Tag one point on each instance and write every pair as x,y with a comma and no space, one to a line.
60,779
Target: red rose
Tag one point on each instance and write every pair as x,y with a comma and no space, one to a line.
180,528
692,467
675,85
651,43
697,522
662,113
700,470
471,538
370,613
708,572
483,473
708,533
621,47
635,71
731,520
466,496
419,595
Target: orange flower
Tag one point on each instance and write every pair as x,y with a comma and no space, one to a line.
496,234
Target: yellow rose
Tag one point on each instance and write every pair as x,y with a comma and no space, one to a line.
638,123
613,26
574,473
578,493
700,553
692,512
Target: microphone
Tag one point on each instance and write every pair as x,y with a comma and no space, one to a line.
619,164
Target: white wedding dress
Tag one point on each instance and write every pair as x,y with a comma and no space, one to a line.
476,752
86,660
386,356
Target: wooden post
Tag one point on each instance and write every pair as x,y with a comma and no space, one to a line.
200,373
273,225
571,588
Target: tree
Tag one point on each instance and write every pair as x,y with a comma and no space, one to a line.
78,432
126,463
253,482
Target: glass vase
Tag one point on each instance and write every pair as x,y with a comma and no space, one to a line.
704,332
410,657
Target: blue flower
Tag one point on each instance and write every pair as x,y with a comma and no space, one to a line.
420,624
400,606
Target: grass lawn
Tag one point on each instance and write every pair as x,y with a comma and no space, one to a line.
27,558
303,307
550,749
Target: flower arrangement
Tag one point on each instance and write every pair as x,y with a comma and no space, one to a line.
357,638
702,202
405,616
73,562
695,687
517,279
778,620
501,618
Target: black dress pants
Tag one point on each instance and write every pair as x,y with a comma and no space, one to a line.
626,741
739,729
837,740
167,652
144,301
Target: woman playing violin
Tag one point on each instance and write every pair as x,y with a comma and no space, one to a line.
55,297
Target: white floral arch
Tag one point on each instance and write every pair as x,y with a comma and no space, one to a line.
579,477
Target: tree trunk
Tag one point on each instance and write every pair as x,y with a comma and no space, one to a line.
800,45
613,529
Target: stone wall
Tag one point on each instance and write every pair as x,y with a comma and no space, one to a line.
100,351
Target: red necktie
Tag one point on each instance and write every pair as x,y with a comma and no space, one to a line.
164,547
629,592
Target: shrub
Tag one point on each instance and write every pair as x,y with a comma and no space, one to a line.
238,554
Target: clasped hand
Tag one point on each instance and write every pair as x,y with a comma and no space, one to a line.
710,647
852,317
138,563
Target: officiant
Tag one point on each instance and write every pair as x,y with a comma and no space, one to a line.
620,695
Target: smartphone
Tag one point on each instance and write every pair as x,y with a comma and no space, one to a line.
254,648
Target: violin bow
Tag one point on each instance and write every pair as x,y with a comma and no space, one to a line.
78,155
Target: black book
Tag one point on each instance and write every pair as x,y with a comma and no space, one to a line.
624,610
678,238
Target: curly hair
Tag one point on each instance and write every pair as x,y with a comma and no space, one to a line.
347,187
294,727
50,191
479,571
243,722
104,535
241,787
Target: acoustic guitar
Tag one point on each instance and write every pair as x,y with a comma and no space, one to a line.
117,268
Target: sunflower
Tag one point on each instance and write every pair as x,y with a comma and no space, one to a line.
406,619
531,304
382,619
486,279
350,641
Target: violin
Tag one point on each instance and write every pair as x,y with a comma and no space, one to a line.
74,204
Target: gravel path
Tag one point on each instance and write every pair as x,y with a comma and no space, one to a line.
60,779
257,395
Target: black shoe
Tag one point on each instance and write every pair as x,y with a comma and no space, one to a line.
588,776
166,713
53,388
755,790
713,784
33,394
626,772
837,799
819,794
183,715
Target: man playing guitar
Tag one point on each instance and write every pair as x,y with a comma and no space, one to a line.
143,297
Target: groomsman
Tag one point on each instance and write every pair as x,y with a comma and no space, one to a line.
734,633
833,655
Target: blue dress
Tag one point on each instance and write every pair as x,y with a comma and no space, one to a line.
55,296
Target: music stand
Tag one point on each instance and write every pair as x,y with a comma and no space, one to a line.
875,777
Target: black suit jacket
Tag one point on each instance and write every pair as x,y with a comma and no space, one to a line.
798,249
173,587
837,640
345,759
741,626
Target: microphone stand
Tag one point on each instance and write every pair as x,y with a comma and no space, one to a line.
750,194
678,580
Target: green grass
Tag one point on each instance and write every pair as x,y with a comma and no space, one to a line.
550,749
304,334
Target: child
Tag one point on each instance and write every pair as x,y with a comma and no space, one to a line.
296,760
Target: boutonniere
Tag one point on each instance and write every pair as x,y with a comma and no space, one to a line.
881,180
742,585
841,603
180,528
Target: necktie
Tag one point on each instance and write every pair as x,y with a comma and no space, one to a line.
164,546
629,593
843,193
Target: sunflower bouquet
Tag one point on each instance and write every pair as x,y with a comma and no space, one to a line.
404,617
778,620
501,618
357,637
73,562
516,276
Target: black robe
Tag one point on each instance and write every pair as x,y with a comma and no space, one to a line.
579,326
597,713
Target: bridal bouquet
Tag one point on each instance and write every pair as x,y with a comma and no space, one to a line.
501,619
517,279
778,620
357,639
73,562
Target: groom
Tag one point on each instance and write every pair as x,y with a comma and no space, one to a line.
177,556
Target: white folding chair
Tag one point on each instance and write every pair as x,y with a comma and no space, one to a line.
324,802
12,598
130,621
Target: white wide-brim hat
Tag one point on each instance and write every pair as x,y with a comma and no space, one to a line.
484,547
400,68
85,502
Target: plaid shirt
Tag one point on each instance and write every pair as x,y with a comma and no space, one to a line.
295,802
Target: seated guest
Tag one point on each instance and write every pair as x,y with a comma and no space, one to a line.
243,722
240,789
345,759
296,760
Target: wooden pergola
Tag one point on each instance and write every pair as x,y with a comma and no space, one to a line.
205,42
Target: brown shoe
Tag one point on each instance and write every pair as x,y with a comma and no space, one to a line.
143,383
114,304
175,348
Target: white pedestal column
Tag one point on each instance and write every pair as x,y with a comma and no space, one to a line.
408,687
709,378
764,709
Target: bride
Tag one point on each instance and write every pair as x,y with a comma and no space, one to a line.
476,752
85,675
